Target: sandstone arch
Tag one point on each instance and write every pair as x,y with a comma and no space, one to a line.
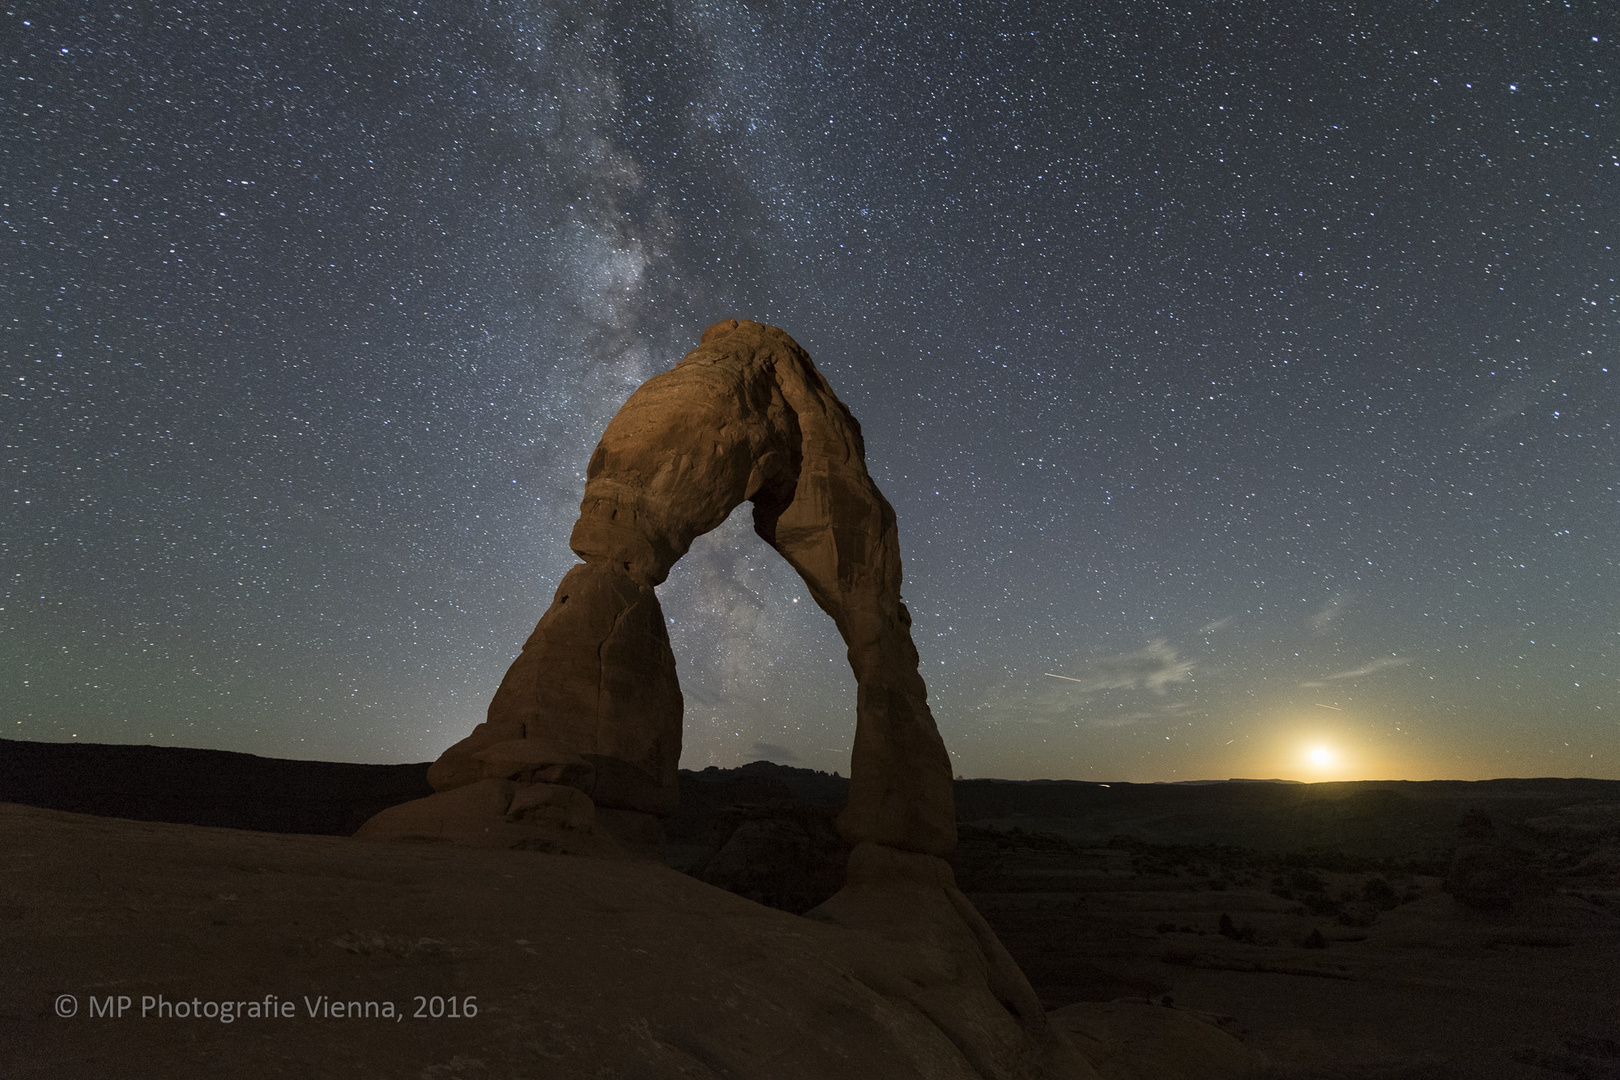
593,701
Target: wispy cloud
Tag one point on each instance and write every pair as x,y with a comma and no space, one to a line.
1330,612
1104,720
1218,624
1151,668
1355,673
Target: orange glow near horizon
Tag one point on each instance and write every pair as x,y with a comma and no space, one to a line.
1303,747
1298,741
1322,757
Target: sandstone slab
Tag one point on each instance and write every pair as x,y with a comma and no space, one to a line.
576,967
1136,1040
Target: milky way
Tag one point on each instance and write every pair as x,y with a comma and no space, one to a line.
1249,366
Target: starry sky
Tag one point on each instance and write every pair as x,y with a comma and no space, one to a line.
1243,374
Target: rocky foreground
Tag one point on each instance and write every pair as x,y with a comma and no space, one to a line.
138,949
1426,931
1352,930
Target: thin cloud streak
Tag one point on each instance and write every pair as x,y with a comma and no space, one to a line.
1152,667
1366,669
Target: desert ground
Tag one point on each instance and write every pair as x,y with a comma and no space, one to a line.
1372,929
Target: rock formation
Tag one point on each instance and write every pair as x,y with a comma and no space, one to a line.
580,748
593,702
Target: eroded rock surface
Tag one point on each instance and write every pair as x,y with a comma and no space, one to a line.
963,979
583,737
1134,1040
578,967
744,417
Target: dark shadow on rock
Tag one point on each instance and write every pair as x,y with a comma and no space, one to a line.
791,859
1494,876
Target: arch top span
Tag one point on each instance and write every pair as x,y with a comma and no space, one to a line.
744,417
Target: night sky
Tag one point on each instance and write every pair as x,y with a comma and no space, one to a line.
1250,365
